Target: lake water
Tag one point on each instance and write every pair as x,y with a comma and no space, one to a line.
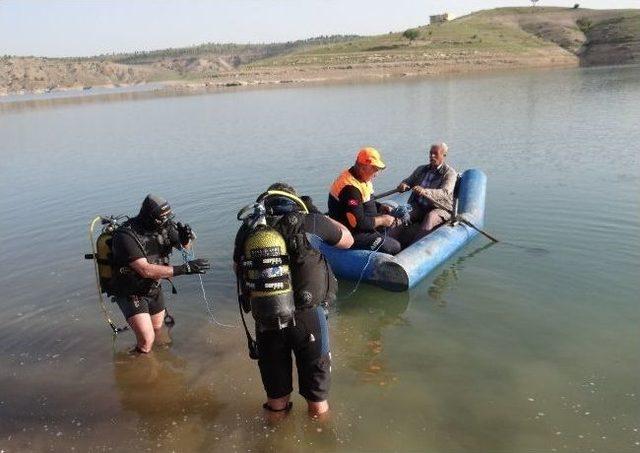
527,346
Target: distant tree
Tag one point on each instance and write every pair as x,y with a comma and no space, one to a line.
533,2
411,34
576,6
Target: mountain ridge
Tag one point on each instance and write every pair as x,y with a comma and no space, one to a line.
484,40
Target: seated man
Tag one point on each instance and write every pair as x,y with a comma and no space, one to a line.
432,182
350,203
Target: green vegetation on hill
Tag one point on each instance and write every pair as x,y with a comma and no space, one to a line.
515,32
240,52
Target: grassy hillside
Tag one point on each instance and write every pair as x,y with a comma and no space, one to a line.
516,33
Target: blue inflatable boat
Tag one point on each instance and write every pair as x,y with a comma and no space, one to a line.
407,268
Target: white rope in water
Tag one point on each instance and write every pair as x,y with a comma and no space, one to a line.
188,255
373,252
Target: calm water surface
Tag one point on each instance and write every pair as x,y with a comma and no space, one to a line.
532,346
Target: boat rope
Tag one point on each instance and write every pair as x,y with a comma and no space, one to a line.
188,255
364,268
401,212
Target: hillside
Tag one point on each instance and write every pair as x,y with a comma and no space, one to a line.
203,62
524,36
485,40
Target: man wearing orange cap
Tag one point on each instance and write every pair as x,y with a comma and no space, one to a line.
350,203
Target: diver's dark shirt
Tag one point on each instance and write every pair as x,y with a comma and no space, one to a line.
125,245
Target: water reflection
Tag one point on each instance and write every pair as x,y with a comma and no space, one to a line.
47,101
170,408
360,327
449,276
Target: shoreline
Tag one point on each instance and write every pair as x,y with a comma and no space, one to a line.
270,77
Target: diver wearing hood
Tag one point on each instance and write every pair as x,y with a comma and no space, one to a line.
141,249
287,284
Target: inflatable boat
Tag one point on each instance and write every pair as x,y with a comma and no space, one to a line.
403,271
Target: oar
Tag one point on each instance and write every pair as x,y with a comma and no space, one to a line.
385,194
466,222
463,220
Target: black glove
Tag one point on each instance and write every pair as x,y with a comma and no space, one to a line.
197,266
308,202
185,233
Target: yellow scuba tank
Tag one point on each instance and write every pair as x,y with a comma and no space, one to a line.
103,259
267,278
102,253
101,256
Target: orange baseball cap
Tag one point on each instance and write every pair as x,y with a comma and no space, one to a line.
370,156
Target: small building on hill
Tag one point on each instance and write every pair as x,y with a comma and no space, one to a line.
440,18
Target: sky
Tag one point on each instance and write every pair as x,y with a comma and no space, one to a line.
57,28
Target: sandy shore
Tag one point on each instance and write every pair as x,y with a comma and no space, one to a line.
263,77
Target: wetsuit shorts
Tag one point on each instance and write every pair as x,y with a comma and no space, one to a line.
134,305
309,341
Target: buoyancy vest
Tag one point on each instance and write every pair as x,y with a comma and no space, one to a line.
339,209
346,178
156,247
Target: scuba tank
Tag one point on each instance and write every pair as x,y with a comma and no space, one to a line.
102,254
103,261
103,258
267,278
264,275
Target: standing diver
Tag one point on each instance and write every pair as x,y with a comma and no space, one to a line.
287,284
141,249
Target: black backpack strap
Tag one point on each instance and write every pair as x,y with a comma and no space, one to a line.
291,227
251,343
124,229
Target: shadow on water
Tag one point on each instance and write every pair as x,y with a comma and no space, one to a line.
537,251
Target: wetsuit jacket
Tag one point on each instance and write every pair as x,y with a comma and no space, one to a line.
439,188
133,241
350,203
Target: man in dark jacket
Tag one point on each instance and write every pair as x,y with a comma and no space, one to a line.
432,182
